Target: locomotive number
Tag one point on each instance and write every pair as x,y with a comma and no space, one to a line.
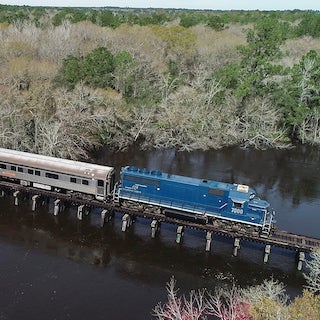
237,210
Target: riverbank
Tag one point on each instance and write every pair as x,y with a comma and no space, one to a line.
188,87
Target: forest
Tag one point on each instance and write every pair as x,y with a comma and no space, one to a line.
73,80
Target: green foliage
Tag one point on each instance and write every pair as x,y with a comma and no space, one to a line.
12,14
190,19
100,69
78,15
254,75
216,22
107,18
157,18
124,72
123,59
263,43
173,69
60,16
70,73
113,17
309,25
306,306
229,76
97,68
179,40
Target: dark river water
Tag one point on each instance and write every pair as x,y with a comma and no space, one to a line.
62,268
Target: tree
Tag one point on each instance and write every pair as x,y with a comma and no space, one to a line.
70,73
107,18
309,25
216,22
306,306
186,120
228,304
13,130
97,68
255,73
188,20
223,304
300,98
60,122
180,41
259,125
313,276
267,301
124,72
181,308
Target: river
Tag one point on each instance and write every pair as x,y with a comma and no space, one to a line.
62,268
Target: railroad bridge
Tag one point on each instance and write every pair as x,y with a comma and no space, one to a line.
278,238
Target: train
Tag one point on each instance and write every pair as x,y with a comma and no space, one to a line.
193,199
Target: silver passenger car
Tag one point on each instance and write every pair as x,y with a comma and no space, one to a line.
51,173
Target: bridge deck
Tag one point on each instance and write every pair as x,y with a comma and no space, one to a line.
278,237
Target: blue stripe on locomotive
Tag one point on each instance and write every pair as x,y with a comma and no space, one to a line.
192,195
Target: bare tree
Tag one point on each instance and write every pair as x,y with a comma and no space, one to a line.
309,129
223,304
267,301
228,304
259,125
57,122
269,288
181,308
12,125
186,121
313,276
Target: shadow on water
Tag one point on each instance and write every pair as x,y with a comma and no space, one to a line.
59,267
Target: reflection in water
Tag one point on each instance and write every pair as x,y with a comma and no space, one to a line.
75,269
136,254
42,240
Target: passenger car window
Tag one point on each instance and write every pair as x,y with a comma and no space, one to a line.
52,175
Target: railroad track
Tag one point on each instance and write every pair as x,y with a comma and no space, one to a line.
278,238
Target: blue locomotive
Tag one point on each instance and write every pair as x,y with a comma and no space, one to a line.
194,199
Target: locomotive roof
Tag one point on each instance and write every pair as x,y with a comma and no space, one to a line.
191,181
71,167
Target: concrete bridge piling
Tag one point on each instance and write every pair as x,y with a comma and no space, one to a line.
180,231
126,222
35,199
155,225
